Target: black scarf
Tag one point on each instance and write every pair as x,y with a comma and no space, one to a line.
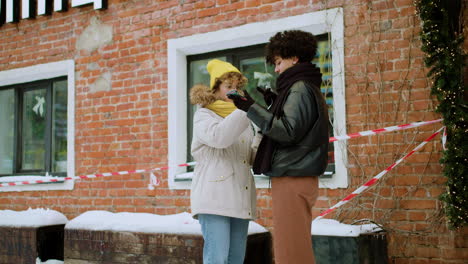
307,72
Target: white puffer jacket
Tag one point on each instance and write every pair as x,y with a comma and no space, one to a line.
222,183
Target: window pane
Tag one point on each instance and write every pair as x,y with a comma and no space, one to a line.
323,60
259,73
197,75
7,128
33,130
59,127
198,72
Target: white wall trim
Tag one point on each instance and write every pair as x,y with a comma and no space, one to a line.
320,22
42,72
97,3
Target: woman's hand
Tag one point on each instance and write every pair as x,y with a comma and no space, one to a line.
268,95
242,102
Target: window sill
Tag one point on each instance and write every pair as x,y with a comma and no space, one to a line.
65,185
184,180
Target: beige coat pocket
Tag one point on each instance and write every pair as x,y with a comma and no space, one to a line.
221,172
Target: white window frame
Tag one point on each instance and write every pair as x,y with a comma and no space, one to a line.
98,4
320,22
43,72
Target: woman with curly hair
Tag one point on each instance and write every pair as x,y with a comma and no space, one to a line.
294,148
223,195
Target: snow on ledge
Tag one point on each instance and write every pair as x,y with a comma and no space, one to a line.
329,227
61,184
31,218
29,178
181,223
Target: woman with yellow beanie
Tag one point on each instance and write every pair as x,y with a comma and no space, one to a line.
223,195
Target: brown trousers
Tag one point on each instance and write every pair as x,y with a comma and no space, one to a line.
293,198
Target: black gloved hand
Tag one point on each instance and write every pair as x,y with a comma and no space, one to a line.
242,102
268,95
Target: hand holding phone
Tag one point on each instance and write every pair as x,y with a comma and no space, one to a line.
242,102
234,94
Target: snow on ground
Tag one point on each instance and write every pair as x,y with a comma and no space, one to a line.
329,227
32,218
50,261
182,223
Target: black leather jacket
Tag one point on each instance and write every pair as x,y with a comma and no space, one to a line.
301,133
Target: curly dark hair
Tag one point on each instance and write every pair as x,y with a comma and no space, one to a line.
291,43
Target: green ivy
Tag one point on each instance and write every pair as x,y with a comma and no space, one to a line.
442,41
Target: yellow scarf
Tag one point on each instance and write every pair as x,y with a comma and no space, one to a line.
222,108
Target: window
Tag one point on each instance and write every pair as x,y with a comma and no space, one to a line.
35,139
251,62
187,52
37,115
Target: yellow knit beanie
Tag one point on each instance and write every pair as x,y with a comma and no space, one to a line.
216,68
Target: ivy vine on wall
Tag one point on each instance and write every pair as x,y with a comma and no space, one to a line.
442,41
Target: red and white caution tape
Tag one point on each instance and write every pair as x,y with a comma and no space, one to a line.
154,182
382,130
89,176
377,177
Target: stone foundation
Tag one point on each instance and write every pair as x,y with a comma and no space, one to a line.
364,249
25,244
92,247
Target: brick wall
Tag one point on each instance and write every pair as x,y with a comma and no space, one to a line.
125,127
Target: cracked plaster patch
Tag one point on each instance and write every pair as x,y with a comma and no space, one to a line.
94,36
103,83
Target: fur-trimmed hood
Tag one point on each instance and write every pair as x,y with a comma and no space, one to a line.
202,95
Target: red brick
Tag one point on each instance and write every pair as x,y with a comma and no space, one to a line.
418,204
385,82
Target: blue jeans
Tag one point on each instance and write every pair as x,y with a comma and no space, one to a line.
225,239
